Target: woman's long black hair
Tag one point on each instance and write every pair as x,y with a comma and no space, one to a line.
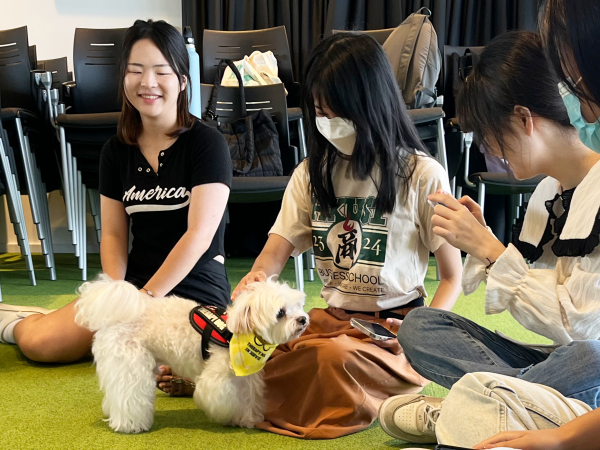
571,35
513,71
351,75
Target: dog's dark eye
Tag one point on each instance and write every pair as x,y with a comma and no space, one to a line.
281,313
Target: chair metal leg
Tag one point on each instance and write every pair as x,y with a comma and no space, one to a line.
29,179
37,193
302,138
16,212
83,230
46,210
72,167
441,144
481,195
310,264
94,197
67,192
76,212
299,273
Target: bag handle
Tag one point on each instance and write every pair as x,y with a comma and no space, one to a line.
211,110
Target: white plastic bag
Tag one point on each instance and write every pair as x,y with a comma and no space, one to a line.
256,70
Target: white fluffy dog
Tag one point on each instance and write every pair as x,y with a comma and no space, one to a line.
135,333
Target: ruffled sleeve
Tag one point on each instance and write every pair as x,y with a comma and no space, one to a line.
539,299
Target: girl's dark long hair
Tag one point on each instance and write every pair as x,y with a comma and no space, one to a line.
351,75
172,45
513,70
571,35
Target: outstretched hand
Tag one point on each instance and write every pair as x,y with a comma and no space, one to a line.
251,277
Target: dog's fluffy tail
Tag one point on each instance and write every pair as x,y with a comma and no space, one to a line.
105,302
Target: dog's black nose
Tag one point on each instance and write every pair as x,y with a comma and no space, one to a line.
302,320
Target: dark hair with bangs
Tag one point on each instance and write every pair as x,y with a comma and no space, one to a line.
172,45
513,70
351,75
571,35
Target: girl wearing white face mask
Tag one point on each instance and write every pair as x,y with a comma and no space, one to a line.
360,201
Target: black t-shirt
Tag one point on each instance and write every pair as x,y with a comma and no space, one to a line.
158,204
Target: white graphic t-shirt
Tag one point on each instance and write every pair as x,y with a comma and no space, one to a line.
366,259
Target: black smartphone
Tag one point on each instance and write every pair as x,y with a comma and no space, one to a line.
372,329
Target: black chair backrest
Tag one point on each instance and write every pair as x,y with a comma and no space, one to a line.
15,84
96,56
379,35
59,69
270,98
218,45
32,56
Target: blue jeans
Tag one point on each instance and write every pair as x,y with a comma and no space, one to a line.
442,347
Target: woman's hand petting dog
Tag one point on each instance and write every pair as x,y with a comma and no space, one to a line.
392,345
251,277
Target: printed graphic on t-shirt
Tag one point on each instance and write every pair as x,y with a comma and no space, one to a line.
148,200
350,245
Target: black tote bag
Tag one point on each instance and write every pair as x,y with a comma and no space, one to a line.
253,140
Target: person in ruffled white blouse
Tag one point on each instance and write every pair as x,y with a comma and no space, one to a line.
500,388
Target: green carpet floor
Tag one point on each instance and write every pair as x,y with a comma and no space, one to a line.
59,406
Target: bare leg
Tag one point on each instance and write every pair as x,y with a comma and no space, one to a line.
53,337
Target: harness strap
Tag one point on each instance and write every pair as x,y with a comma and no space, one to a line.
210,322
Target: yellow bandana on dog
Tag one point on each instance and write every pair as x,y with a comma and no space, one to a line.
248,354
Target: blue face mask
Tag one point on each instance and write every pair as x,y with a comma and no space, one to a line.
589,133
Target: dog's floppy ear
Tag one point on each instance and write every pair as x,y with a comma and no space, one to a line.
239,316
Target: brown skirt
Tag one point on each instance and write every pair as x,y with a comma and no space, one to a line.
331,380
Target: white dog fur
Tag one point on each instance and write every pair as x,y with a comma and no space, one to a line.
135,333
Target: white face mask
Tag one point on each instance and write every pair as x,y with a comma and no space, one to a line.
340,132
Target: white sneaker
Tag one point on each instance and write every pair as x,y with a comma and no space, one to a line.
411,417
10,313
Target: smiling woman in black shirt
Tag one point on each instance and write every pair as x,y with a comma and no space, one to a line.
168,176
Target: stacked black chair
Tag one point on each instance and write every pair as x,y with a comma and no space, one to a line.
11,188
22,126
234,45
90,121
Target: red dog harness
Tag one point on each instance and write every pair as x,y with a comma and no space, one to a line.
211,323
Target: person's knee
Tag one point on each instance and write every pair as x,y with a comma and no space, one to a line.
35,346
415,324
588,352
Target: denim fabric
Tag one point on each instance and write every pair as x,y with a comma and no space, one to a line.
443,346
482,405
